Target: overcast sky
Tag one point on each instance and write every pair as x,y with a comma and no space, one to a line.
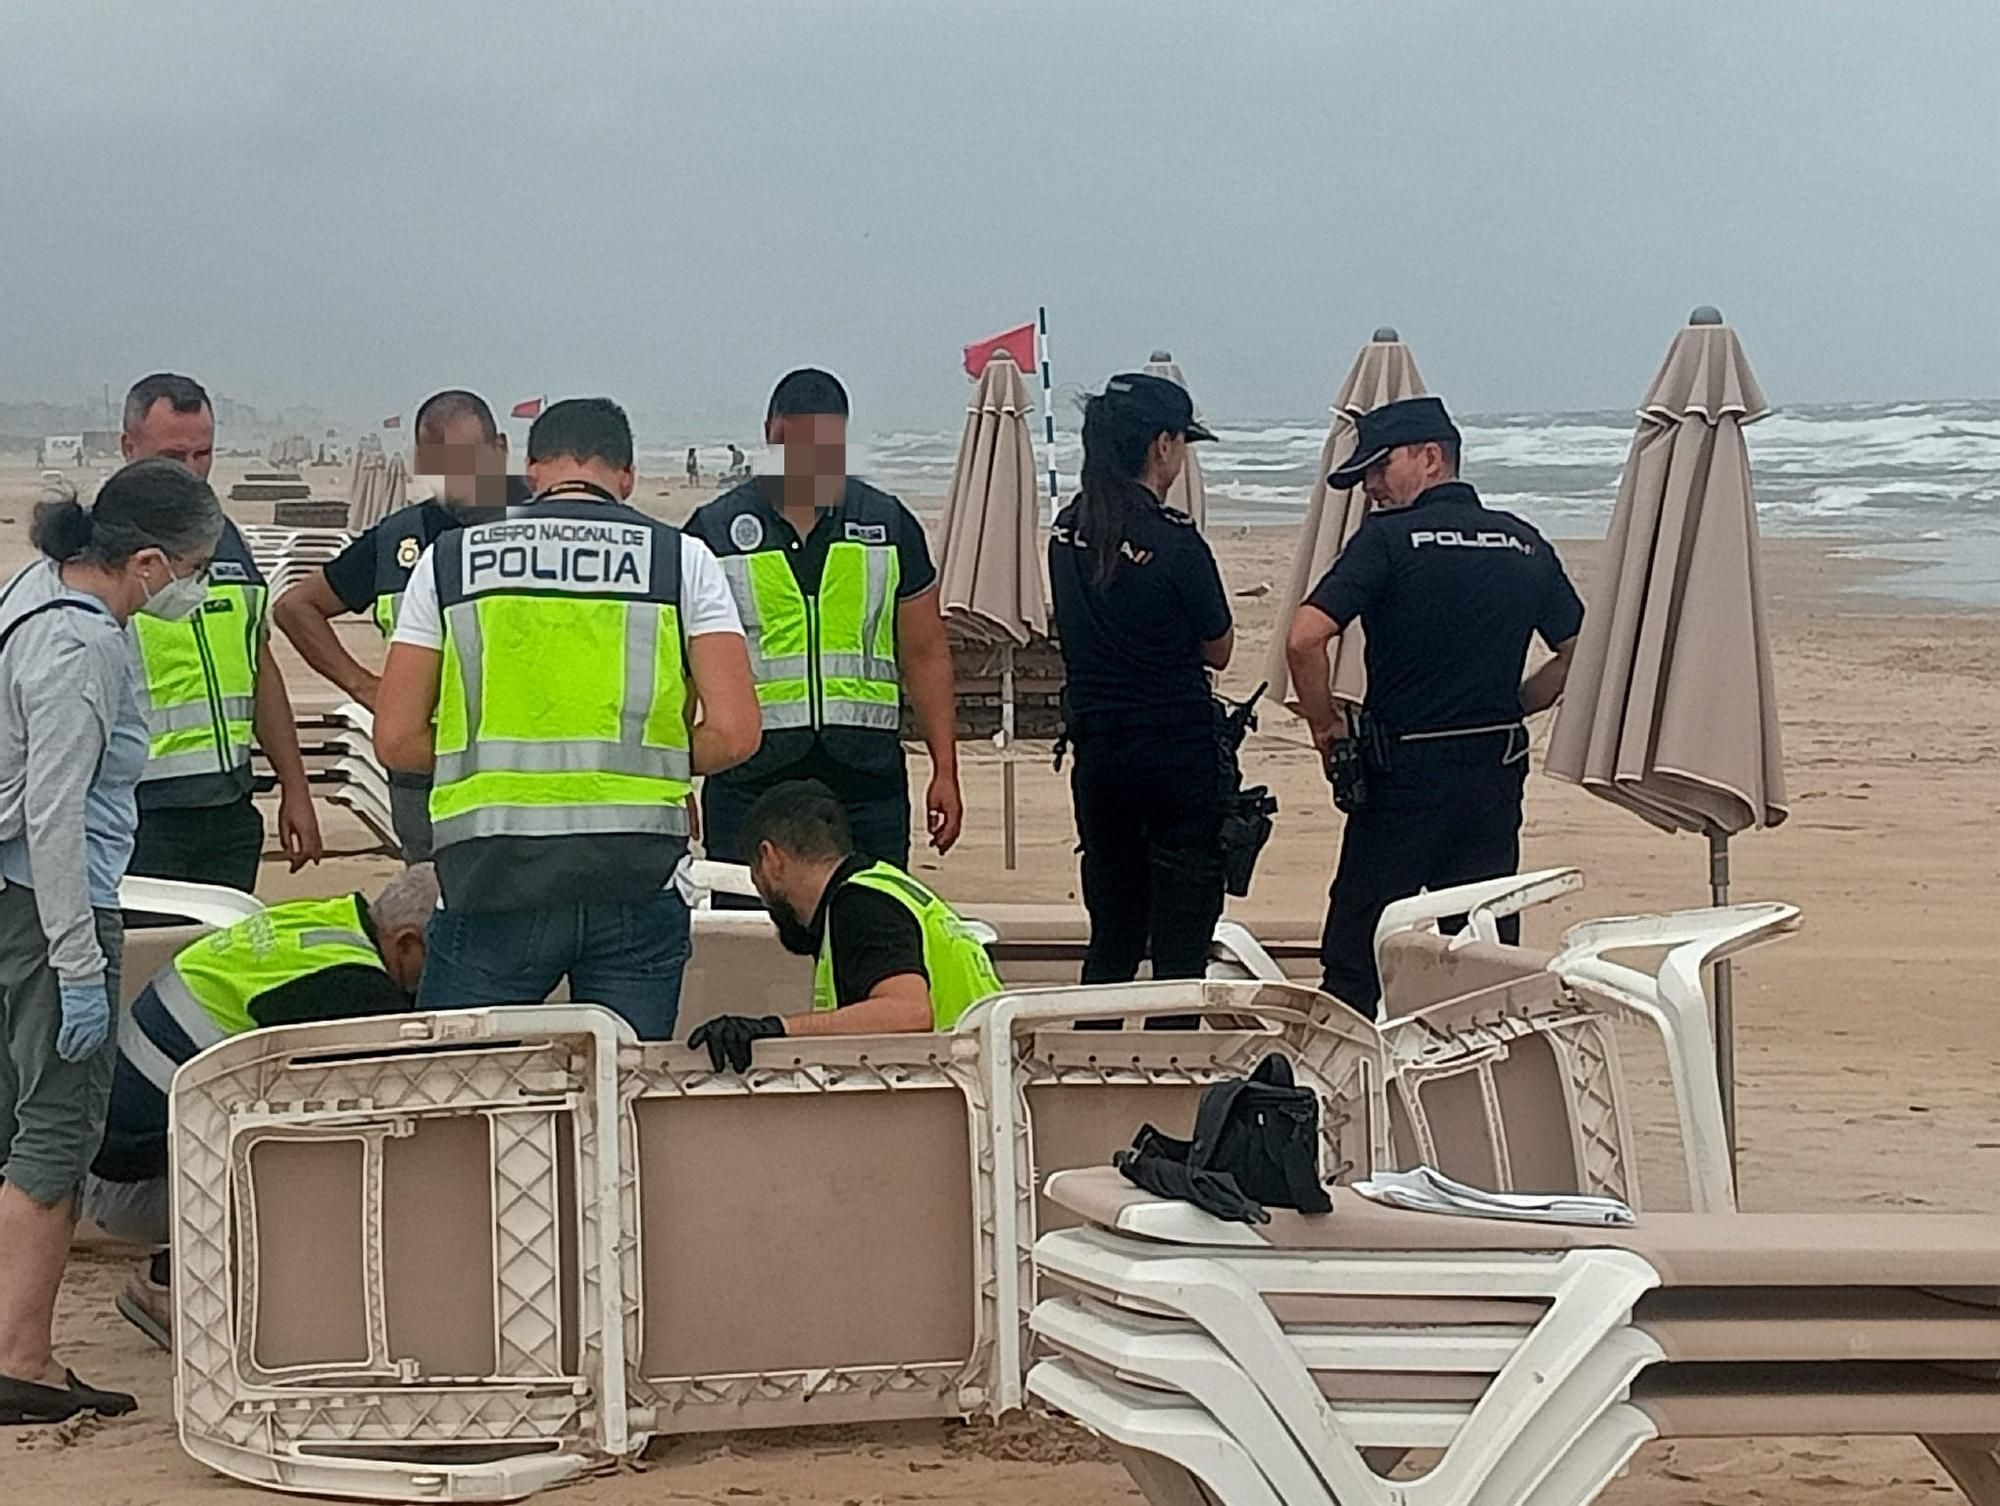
352,204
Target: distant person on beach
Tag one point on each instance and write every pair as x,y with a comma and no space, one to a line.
565,673
739,465
1142,618
464,453
693,467
1449,593
892,956
295,963
211,689
73,738
837,591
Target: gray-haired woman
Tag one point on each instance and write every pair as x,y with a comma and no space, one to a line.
72,744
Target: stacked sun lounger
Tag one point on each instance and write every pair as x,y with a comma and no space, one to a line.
338,749
1298,1361
288,555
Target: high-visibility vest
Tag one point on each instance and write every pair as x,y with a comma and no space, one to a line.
207,990
960,972
829,659
564,694
198,677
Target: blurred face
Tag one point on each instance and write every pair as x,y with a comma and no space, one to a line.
815,444
163,433
470,467
403,956
1404,474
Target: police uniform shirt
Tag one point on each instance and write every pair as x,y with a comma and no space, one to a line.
1448,591
744,520
1132,647
361,572
874,936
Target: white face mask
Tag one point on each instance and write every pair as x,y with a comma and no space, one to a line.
179,599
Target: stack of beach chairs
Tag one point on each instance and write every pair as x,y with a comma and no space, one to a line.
469,1254
337,744
288,555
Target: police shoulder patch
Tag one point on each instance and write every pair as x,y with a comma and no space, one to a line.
746,531
408,552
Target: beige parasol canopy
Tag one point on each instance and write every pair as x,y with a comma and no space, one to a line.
1189,493
1384,372
990,571
1670,709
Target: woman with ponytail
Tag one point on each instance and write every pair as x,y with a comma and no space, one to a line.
1142,619
72,744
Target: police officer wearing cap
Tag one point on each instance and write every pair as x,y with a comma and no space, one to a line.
1449,592
1142,618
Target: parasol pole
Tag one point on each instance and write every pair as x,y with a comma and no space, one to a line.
1007,750
1725,1002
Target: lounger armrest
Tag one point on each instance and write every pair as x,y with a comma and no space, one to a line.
205,904
1280,1001
712,878
357,716
1234,943
1484,904
1675,1000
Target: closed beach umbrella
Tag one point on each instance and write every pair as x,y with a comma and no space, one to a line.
1188,494
1670,709
1384,372
990,554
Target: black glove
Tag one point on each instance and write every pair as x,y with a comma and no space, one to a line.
728,1038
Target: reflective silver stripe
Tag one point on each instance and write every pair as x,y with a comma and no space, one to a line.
561,821
848,666
642,647
861,714
470,645
334,936
784,667
144,1053
879,601
511,756
186,1010
787,714
191,716
198,761
736,570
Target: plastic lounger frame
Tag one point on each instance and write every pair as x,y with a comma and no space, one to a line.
1023,1052
365,1422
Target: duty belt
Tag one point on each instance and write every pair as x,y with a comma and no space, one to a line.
1466,745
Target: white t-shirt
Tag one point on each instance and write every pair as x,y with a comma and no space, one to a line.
705,606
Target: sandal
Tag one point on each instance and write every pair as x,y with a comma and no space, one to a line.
28,1402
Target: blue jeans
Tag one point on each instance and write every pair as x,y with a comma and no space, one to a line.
626,955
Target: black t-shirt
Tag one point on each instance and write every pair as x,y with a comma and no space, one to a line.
874,935
746,520
1448,592
1132,646
355,574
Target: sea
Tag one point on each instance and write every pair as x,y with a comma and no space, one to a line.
1913,483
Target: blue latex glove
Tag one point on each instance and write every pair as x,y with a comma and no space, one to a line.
86,1019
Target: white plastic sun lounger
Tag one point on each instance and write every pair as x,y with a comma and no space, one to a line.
1536,1358
1485,1039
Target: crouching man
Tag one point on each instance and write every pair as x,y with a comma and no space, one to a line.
296,963
893,957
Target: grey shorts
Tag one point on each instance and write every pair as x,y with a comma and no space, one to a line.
133,1211
51,1111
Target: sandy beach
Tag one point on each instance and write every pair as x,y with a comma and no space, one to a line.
1865,1051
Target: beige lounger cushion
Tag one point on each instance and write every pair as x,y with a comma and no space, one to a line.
1421,968
1687,1249
1791,1401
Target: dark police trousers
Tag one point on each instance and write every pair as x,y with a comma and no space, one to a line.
1148,808
1430,823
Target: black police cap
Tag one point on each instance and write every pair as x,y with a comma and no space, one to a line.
1414,420
1156,402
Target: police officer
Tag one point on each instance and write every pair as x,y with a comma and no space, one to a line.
893,957
463,453
294,963
1142,618
582,662
1449,592
208,686
838,596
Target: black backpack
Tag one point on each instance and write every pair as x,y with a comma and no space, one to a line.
1255,1146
